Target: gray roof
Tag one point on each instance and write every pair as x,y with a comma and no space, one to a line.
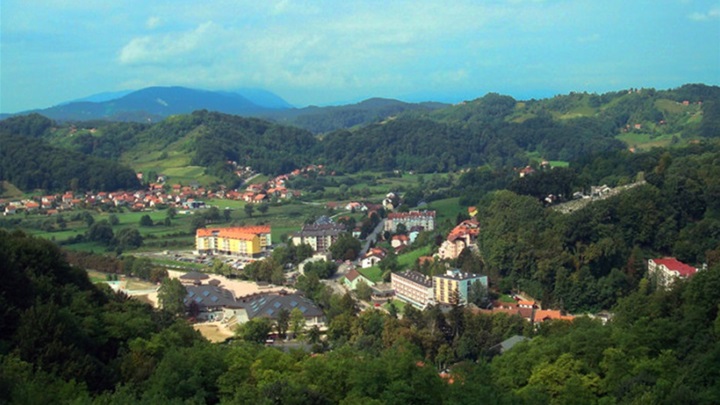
194,275
509,343
270,304
321,230
208,296
415,277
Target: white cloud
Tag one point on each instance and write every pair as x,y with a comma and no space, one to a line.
153,22
163,48
712,14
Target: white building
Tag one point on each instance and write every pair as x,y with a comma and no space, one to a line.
413,287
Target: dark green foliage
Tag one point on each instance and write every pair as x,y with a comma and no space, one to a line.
323,269
31,163
346,247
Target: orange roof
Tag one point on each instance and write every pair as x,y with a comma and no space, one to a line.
548,314
244,233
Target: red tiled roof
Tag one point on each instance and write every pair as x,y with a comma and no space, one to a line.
674,264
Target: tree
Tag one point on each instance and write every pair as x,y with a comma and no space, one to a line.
283,322
113,219
478,294
297,322
227,214
128,238
346,247
249,210
363,290
171,213
145,220
263,208
255,330
101,231
171,296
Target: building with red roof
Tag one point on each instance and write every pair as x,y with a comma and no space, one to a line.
668,269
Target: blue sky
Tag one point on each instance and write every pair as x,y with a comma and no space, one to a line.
325,52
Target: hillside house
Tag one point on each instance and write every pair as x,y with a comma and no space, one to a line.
668,269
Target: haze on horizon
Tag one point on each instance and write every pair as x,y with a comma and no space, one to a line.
327,52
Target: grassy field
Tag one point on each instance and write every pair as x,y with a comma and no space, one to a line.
399,305
8,190
373,274
645,141
409,259
447,209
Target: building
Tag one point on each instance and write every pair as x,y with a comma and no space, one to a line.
463,235
269,305
424,219
413,287
242,241
372,257
454,282
668,269
319,236
353,277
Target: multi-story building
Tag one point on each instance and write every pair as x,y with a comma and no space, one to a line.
423,219
462,236
413,287
319,236
455,283
242,241
668,269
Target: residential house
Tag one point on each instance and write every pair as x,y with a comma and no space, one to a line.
424,219
413,287
353,277
455,283
399,240
668,269
372,257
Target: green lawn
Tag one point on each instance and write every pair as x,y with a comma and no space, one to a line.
399,305
447,209
373,274
408,259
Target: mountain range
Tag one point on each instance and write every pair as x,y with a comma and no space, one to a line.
153,104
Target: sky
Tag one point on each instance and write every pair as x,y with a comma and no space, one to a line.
330,52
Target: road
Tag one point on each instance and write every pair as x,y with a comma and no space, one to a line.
371,238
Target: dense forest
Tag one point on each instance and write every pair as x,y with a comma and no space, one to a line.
30,162
64,340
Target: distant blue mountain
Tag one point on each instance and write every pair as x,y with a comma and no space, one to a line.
155,103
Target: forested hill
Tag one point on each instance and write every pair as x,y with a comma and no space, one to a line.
30,162
493,130
320,120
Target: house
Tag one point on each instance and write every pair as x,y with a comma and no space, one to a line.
399,240
319,236
423,219
372,257
463,235
526,171
242,241
455,283
509,343
668,269
353,277
544,315
413,287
